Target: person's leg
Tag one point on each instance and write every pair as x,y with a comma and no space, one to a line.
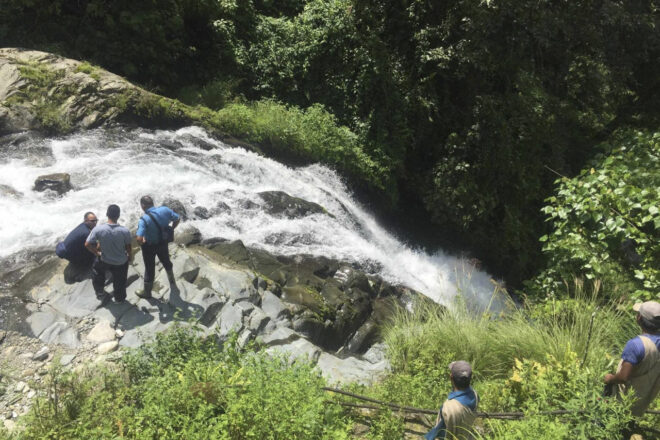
98,277
119,273
164,257
149,258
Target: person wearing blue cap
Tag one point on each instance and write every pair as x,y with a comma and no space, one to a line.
639,367
457,413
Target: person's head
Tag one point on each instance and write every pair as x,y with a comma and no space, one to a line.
113,212
146,202
648,316
460,373
90,219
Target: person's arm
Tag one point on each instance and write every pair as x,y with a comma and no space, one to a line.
129,252
622,376
93,248
176,223
141,231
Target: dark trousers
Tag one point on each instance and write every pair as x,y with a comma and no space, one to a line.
149,252
118,272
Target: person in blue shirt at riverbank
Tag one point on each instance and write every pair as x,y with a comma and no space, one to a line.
457,413
153,235
73,249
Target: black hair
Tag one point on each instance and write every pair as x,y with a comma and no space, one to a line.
648,325
462,382
87,215
146,201
113,212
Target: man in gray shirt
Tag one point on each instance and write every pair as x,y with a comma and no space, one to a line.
111,243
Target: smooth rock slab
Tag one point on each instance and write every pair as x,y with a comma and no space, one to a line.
78,302
300,349
350,370
282,335
60,333
41,320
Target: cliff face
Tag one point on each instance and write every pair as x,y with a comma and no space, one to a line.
48,93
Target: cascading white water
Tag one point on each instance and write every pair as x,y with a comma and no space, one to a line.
117,166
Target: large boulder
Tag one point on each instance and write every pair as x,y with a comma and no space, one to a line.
58,182
282,204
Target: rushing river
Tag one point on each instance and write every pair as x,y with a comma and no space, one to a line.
118,166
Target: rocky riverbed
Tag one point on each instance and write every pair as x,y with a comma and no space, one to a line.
313,308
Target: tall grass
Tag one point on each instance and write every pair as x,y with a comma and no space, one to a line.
491,345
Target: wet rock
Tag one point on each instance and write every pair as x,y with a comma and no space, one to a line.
273,307
8,191
187,235
176,206
58,182
282,204
222,208
200,212
232,250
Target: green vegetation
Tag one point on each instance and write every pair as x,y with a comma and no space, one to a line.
184,387
606,222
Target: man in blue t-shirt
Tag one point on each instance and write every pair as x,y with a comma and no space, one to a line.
639,368
151,235
73,250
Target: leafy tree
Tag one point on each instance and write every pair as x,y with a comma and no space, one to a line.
606,221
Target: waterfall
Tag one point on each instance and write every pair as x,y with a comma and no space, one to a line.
120,165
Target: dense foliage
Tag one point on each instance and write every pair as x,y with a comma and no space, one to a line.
465,102
606,222
183,387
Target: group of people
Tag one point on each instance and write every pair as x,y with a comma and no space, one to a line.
106,248
638,373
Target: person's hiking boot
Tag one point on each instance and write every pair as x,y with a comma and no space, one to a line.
170,277
145,293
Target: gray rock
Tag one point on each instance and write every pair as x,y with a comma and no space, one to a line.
350,370
187,235
107,347
244,338
273,307
231,319
78,302
176,206
41,320
66,359
210,314
58,182
8,191
300,349
41,355
257,320
282,204
60,333
201,212
185,267
282,335
102,332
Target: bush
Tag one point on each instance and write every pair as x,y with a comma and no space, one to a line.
184,387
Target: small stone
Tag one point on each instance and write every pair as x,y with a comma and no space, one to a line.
27,355
14,415
28,372
67,359
107,347
119,333
8,415
102,332
26,389
31,394
41,355
20,386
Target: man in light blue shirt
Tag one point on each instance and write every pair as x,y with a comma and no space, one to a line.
153,235
111,243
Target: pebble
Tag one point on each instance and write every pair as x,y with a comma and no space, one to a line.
20,386
41,355
14,415
107,347
31,394
66,359
120,333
